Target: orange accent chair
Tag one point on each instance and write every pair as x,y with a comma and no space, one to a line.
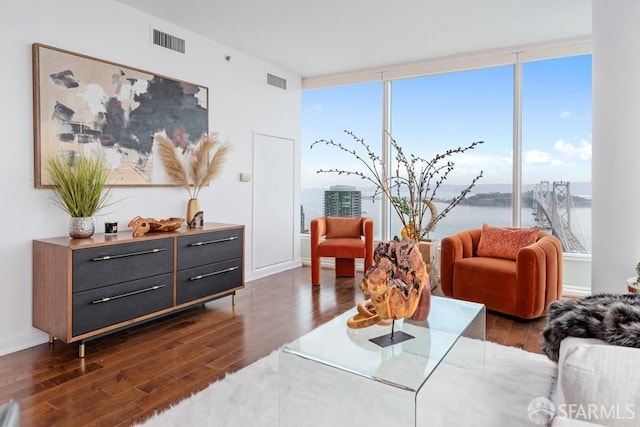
522,287
343,241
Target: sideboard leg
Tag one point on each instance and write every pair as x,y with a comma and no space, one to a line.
233,298
51,339
81,350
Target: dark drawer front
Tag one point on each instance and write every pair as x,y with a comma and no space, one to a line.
106,306
108,265
208,280
207,248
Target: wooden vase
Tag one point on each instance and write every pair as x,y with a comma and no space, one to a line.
195,216
429,251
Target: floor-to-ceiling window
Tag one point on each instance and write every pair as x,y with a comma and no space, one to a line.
434,113
556,148
545,163
326,114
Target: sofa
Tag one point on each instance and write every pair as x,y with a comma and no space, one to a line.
597,384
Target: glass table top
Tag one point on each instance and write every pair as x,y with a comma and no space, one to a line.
405,365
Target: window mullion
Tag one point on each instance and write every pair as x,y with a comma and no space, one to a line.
516,195
386,157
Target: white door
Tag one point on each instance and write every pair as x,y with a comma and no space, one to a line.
273,210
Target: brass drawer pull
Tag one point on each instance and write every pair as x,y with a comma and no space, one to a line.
108,257
202,276
208,242
128,294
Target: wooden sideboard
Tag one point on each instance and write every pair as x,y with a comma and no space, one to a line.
84,288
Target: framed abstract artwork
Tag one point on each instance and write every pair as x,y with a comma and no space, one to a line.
86,106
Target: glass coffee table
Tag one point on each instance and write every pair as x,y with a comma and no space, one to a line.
336,376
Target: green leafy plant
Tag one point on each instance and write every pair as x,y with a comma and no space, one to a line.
200,171
79,183
637,282
411,186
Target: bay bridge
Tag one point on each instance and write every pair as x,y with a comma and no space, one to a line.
552,210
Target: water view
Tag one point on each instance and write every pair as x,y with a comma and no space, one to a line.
462,217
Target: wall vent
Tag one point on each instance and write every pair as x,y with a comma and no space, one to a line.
167,40
276,81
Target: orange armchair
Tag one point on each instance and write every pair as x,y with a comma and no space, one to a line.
343,241
523,287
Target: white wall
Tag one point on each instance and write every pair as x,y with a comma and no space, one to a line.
240,103
616,149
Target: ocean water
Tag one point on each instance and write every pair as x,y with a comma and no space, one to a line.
458,219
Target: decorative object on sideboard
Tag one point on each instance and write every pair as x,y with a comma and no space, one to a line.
81,227
82,101
396,285
142,226
111,227
411,185
79,185
195,213
200,172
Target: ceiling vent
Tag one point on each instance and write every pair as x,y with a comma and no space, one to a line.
168,41
276,81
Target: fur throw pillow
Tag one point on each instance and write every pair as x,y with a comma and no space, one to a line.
613,318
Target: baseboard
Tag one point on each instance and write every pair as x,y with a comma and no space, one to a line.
575,291
272,269
20,342
330,263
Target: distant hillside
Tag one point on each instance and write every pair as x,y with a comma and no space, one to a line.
577,188
504,200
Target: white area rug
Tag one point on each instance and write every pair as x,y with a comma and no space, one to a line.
497,396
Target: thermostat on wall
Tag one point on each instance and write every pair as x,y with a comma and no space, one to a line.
245,177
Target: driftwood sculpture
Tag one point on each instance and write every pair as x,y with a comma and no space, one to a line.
397,285
141,226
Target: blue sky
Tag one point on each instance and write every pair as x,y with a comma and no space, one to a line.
434,113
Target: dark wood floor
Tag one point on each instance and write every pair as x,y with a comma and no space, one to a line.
127,376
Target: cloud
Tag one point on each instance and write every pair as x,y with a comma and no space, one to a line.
317,107
506,158
564,151
570,151
536,156
565,114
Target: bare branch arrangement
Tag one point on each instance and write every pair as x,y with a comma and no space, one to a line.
413,184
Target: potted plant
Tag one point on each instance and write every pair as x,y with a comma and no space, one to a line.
633,283
411,186
79,186
200,171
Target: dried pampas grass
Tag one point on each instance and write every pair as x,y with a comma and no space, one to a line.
201,171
